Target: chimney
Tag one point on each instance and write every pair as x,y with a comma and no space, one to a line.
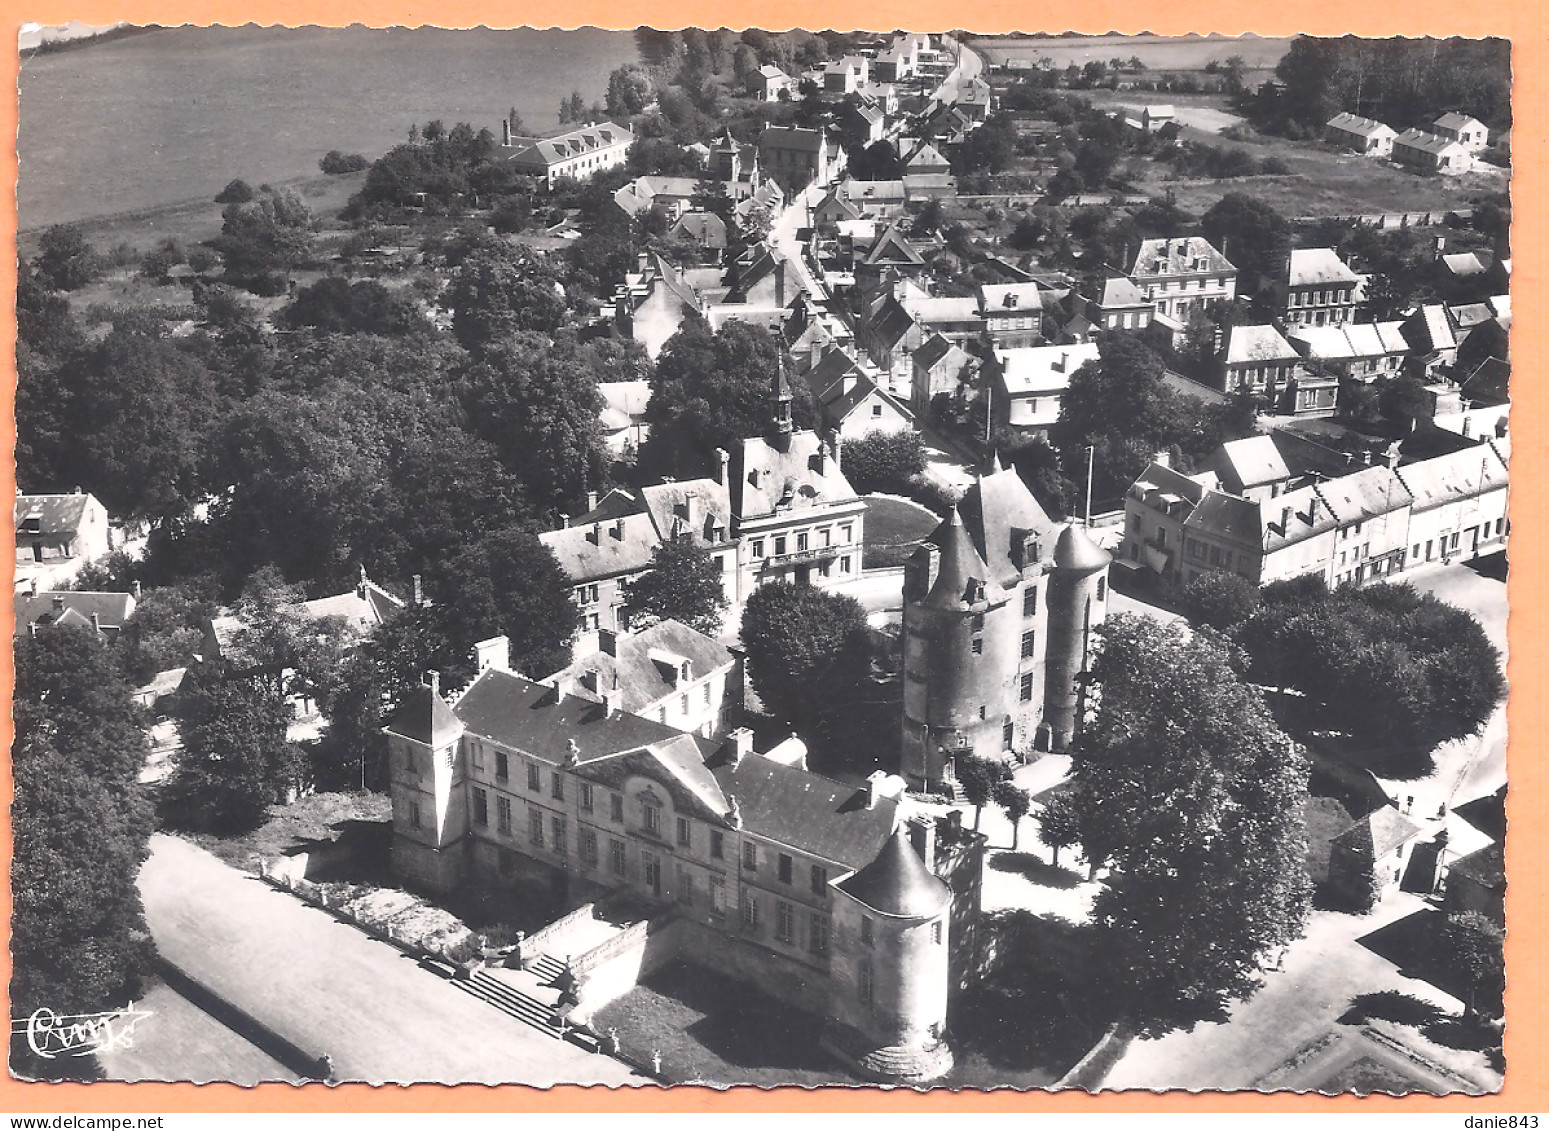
32,586
739,745
559,689
419,592
876,783
618,530
591,679
922,835
135,588
433,681
1163,458
595,536
691,509
505,131
492,653
608,642
59,601
591,501
96,623
613,699
77,491
1285,521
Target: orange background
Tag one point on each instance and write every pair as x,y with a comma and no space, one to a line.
1525,23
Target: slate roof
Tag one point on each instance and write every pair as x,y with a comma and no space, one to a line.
891,323
1464,264
1428,329
1003,298
704,228
934,350
1365,494
871,192
632,670
1431,143
1317,266
1452,120
56,514
1032,370
1161,258
49,607
1350,341
1156,477
939,309
962,578
1453,476
1486,867
786,479
996,509
799,138
1075,551
548,151
926,157
1118,291
598,549
891,246
667,504
898,883
1379,833
425,717
1365,127
1257,525
1248,345
1251,462
805,811
1490,383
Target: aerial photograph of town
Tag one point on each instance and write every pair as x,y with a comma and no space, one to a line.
715,557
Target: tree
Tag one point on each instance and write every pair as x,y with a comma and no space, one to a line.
81,826
1016,802
65,261
537,402
1059,825
712,389
629,90
683,584
1477,947
1251,234
500,290
263,240
235,192
335,162
808,650
884,461
1192,796
336,305
978,776
1403,400
1221,600
236,760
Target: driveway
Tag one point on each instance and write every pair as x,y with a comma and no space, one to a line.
328,988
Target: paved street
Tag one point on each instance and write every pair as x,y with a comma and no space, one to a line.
328,988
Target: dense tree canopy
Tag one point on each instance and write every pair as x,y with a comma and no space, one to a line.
884,461
80,827
336,304
1192,797
65,261
500,290
807,649
1253,235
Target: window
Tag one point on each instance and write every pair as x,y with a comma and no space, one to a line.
652,818
616,857
534,777
705,690
846,532
586,797
978,622
749,911
867,939
557,786
717,845
414,814
503,814
684,837
819,880
651,872
784,868
717,895
1102,588
1030,596
480,808
1027,645
844,564
616,805
785,921
935,932
478,755
557,829
685,892
981,712
817,934
588,845
978,646
779,545
801,542
502,767
758,548
750,856
1008,735
864,983
535,827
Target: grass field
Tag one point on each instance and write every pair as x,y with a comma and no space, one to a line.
1157,52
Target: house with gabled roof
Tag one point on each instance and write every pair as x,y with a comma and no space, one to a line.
599,551
1459,508
763,871
577,154
1263,540
797,156
1372,509
939,367
1252,468
1432,342
1364,135
1155,508
1180,274
1361,350
770,84
851,403
1012,313
652,301
1468,132
1029,382
1432,153
1368,859
1258,360
1321,290
1111,302
57,534
103,613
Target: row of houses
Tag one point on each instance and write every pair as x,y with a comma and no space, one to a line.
1450,146
1250,514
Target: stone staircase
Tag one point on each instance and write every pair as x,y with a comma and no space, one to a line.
509,1000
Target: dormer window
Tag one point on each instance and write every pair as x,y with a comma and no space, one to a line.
32,525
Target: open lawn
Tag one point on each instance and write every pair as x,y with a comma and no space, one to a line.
894,528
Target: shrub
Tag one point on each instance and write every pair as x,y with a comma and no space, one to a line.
236,192
334,163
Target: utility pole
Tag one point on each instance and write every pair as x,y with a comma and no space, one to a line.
1091,450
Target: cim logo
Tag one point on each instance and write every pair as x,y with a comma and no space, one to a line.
51,1035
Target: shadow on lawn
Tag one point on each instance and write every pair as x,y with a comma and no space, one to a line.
1030,867
1417,945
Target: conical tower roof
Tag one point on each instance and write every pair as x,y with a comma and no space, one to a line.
1076,551
898,883
426,717
962,569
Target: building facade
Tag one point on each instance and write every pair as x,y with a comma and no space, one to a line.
578,154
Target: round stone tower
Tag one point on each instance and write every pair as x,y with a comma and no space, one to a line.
961,640
887,1007
1078,601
